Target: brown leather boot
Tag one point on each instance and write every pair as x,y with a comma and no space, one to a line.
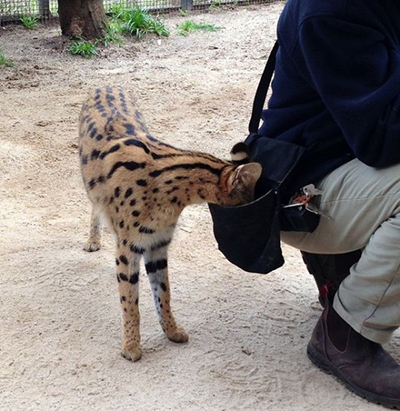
362,365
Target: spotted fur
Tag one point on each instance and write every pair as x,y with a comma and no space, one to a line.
142,185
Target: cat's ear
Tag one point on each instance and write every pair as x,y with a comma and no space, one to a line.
240,153
244,178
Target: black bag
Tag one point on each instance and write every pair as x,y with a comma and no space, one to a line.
249,235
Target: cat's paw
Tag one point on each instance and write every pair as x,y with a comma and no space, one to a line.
132,353
179,335
91,246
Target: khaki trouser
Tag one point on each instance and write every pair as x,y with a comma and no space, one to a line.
363,204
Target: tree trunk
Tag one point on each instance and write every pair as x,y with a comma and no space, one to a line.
82,18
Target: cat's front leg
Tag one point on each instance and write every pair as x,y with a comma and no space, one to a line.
128,285
157,270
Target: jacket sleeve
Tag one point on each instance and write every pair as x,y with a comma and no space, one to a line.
356,72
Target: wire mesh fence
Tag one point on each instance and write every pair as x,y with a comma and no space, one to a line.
14,10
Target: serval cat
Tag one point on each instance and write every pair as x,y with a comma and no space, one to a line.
142,185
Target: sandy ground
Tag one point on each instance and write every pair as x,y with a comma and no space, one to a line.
60,328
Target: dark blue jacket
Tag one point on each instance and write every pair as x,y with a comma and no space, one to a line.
337,78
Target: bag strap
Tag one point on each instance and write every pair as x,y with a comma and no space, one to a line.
262,89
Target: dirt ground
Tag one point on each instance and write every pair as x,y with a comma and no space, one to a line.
60,330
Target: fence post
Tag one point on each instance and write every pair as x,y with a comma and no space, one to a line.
186,5
44,9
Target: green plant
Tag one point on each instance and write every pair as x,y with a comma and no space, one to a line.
83,48
30,22
189,25
113,34
137,22
5,62
183,13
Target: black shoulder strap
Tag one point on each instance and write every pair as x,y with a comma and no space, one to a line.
261,93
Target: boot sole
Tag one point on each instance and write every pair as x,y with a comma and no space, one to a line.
325,365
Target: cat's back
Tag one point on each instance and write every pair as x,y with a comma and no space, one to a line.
112,136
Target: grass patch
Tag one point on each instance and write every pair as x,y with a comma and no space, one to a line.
122,21
4,61
189,25
30,22
83,48
137,22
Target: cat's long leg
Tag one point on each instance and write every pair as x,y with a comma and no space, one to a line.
156,263
128,263
93,242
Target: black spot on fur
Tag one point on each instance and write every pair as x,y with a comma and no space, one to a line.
128,192
92,183
137,143
93,133
123,277
95,154
137,224
146,230
121,224
163,286
110,100
113,149
135,213
129,165
91,126
160,244
123,298
153,266
132,203
123,259
142,183
117,192
175,188
134,278
130,129
137,250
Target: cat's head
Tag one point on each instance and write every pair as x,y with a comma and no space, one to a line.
242,178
